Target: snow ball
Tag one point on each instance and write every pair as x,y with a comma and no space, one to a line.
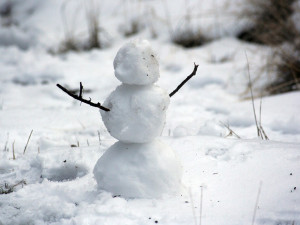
136,63
137,113
147,170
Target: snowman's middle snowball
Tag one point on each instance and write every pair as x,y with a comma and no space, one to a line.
137,113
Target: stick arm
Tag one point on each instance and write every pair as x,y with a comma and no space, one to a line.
185,80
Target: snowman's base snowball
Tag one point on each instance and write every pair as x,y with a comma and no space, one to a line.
135,170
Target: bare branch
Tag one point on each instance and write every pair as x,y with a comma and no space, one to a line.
79,98
186,80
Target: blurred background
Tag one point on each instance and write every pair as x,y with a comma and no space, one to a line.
59,27
240,46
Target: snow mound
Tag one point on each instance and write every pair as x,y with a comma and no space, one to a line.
137,113
13,36
139,170
136,63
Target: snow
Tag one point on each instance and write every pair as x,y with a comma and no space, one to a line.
226,171
136,63
14,36
137,112
147,170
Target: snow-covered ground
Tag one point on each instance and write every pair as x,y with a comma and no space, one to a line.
227,180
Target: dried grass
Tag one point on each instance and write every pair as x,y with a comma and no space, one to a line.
185,34
134,27
9,188
272,25
6,9
271,22
287,67
92,18
83,41
189,38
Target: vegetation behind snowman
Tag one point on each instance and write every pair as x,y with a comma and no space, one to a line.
138,165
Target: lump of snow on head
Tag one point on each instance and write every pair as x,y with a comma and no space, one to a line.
136,63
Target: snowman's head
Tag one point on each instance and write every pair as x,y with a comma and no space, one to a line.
136,63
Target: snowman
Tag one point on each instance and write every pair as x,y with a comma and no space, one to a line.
138,165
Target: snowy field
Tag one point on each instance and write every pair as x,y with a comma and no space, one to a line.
227,180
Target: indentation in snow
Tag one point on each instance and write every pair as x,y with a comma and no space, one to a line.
66,172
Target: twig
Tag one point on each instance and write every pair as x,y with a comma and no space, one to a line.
79,98
27,142
5,147
192,205
278,87
256,203
83,127
80,91
250,86
201,203
6,188
13,150
260,110
260,126
21,182
231,132
99,137
186,80
264,133
260,131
